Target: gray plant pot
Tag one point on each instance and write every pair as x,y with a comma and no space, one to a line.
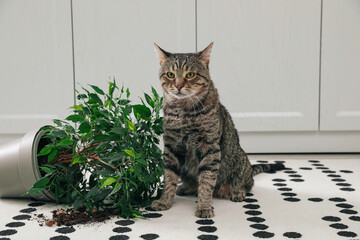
19,168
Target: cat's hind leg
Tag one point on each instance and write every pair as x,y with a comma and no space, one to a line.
238,190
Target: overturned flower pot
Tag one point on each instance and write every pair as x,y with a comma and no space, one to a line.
104,157
19,168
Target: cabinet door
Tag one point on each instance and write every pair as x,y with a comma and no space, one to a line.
265,60
36,77
340,66
116,39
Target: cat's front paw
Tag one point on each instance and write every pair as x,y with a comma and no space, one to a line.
158,205
237,196
204,213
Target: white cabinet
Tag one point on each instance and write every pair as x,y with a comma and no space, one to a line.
265,61
36,83
288,71
340,66
116,39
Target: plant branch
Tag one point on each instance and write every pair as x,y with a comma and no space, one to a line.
100,160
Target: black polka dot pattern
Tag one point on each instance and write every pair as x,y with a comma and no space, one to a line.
207,227
263,234
119,237
346,209
15,224
36,204
65,230
149,236
61,237
28,210
258,220
338,226
355,218
124,222
335,177
251,206
332,219
22,217
292,235
337,199
347,234
8,232
315,199
152,215
259,226
122,229
207,237
205,222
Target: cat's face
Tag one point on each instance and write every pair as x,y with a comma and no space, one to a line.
184,75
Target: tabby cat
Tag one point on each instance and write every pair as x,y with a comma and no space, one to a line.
201,144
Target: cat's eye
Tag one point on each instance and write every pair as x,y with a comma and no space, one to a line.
190,75
170,75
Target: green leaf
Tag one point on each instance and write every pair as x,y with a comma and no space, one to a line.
75,159
46,169
57,122
34,191
97,89
130,153
58,133
52,155
81,96
45,151
89,205
84,127
41,183
149,100
143,111
79,203
93,192
115,189
154,92
108,182
112,86
123,101
118,130
138,155
77,107
75,118
127,93
65,142
96,98
130,124
138,170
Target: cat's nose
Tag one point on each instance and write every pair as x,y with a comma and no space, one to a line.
179,87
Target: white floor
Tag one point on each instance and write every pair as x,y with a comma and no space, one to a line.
316,198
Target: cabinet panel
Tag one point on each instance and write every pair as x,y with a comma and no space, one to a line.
265,60
115,39
340,65
36,78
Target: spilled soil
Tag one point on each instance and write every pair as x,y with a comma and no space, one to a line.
69,217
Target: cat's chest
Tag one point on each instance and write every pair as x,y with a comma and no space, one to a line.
187,121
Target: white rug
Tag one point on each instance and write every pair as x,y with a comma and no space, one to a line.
312,199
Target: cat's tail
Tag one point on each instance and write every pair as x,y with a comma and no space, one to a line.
268,168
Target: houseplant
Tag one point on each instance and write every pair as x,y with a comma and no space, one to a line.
105,154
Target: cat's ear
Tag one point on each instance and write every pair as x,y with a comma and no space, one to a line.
204,55
163,55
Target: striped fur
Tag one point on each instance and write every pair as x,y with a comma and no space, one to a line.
201,144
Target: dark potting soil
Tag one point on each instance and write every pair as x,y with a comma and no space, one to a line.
69,217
